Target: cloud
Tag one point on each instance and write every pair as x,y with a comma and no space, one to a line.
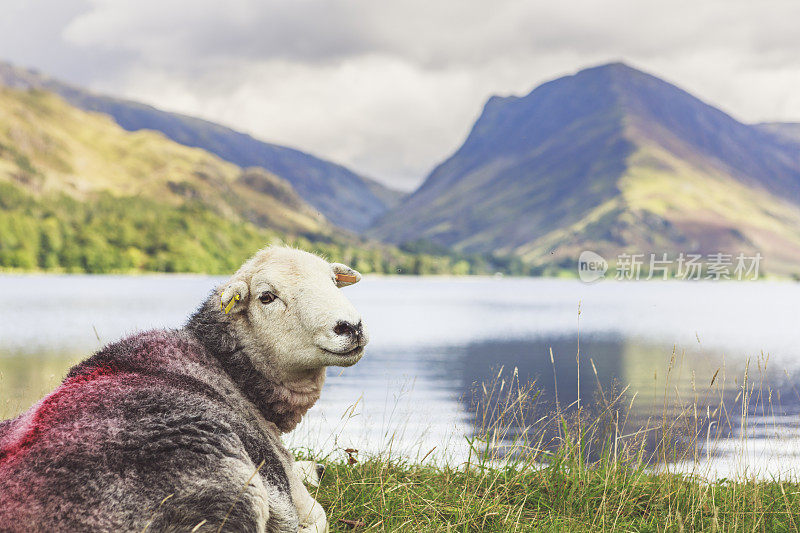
31,34
390,88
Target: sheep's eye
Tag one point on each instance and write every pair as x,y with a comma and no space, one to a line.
267,297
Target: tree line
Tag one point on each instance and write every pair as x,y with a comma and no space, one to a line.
112,234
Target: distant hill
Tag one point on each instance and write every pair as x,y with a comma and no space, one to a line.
84,178
345,198
610,159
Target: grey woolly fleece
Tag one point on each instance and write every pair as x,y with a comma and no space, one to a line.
163,429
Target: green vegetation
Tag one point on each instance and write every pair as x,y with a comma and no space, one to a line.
565,495
58,233
118,235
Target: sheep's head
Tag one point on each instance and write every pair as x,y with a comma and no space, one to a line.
287,305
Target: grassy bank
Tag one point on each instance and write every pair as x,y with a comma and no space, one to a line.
381,495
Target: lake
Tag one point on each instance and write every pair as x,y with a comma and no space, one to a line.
435,340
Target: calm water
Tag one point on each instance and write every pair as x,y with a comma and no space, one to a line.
433,340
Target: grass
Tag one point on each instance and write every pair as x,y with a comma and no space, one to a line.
385,495
571,471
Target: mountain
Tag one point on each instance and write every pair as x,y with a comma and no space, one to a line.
610,159
85,178
345,198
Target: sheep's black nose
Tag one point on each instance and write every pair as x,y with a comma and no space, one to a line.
349,329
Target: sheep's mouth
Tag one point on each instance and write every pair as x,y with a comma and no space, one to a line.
349,353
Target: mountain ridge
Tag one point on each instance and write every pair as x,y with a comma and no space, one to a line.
79,192
344,197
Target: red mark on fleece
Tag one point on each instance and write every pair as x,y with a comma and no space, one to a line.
79,390
55,405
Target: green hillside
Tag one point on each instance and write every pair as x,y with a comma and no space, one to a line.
705,211
345,198
80,194
49,146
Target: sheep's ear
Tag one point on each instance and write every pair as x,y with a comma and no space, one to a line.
345,275
234,297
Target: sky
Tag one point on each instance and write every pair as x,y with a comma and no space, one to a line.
390,89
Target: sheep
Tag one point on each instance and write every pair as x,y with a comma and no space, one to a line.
170,430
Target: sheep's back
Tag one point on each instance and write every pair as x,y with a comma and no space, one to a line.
123,430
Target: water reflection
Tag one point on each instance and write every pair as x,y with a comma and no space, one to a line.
27,377
607,364
704,404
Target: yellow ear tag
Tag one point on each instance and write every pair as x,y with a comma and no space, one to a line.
346,278
231,304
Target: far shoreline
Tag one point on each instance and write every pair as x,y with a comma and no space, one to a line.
563,276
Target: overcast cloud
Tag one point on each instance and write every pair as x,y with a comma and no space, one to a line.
391,88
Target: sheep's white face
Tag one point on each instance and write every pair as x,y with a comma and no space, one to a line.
292,309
